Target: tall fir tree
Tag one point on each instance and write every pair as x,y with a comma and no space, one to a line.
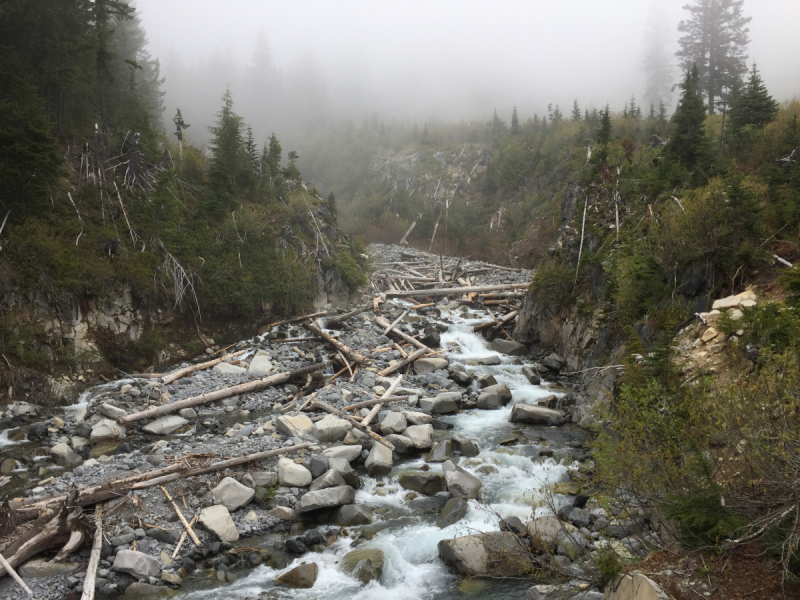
688,133
657,62
752,104
576,111
273,156
714,40
226,145
603,137
515,130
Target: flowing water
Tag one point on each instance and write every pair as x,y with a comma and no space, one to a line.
513,478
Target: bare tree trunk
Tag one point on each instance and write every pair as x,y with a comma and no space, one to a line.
341,347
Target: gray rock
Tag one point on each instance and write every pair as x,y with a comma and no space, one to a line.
420,435
296,426
393,422
509,347
494,397
44,568
329,497
318,465
331,478
106,430
402,445
139,590
365,564
535,415
261,364
579,517
64,456
331,429
122,540
345,469
442,452
264,478
111,411
487,381
218,521
465,446
137,564
553,362
229,369
633,586
544,530
165,425
167,536
429,504
291,474
350,515
379,461
187,413
460,483
423,366
232,494
493,554
424,482
453,511
417,418
303,576
350,453
532,375
284,513
441,404
490,360
550,592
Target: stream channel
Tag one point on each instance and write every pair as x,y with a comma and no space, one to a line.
510,467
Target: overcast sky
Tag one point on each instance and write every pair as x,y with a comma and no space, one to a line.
454,59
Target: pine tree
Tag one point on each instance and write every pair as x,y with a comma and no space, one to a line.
662,114
180,125
576,111
632,108
688,136
272,158
226,145
514,122
497,126
333,212
557,115
752,105
715,41
600,156
586,115
651,116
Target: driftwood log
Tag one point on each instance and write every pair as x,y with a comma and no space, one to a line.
329,409
299,319
169,378
377,407
406,361
341,347
475,289
403,336
342,318
94,557
242,388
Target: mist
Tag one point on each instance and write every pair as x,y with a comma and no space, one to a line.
291,64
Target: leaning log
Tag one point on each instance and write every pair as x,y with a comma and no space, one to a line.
94,557
355,422
341,347
406,361
377,407
299,319
455,290
170,377
242,388
403,336
342,318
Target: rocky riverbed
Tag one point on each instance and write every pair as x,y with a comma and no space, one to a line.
485,476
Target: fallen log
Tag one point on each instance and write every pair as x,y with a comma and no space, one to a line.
341,347
181,518
377,407
404,336
329,409
94,557
242,388
503,320
170,377
299,319
342,318
9,569
456,290
395,322
183,537
406,361
372,401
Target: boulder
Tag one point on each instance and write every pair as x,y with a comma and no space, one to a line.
106,430
330,478
553,592
350,515
579,517
365,564
453,511
490,360
218,521
296,426
229,369
329,497
402,445
165,425
111,411
465,446
264,478
65,456
137,564
544,530
420,435
486,381
460,483
493,554
348,473
261,364
393,422
379,461
232,494
553,362
168,536
441,404
350,453
509,347
302,576
531,375
535,415
424,482
633,586
494,397
291,474
330,429
550,401
44,568
284,513
423,366
417,418
442,452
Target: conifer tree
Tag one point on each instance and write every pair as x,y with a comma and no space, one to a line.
651,116
576,111
600,156
662,113
514,122
715,41
688,135
226,144
272,157
752,105
497,126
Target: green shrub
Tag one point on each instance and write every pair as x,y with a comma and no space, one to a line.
608,564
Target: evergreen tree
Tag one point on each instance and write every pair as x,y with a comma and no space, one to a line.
292,156
586,115
180,125
651,116
226,145
715,41
576,111
426,136
250,147
272,157
497,127
752,105
662,114
688,136
657,60
514,122
333,211
633,110
600,156
106,12
556,116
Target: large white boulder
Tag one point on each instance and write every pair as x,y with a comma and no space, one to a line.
535,415
379,461
330,429
106,430
229,369
232,494
296,426
347,452
165,425
393,422
420,435
218,521
261,363
333,496
291,474
137,564
493,554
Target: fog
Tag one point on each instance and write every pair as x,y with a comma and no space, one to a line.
292,63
